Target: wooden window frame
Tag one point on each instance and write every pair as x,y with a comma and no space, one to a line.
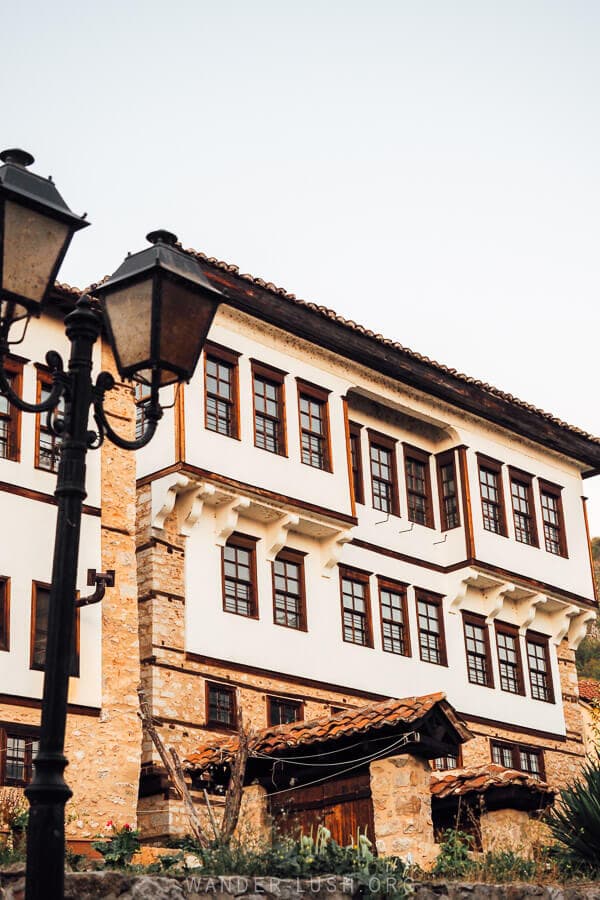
516,749
400,588
142,395
360,576
297,557
17,730
35,586
554,490
459,762
358,481
495,466
421,594
421,457
242,542
229,689
541,640
319,395
385,442
13,366
277,377
525,480
44,379
274,698
230,358
513,632
478,621
442,460
5,613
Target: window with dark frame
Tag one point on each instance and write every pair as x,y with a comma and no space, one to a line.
509,658
268,387
315,447
538,660
384,476
142,401
48,444
40,608
356,461
356,612
4,613
523,507
18,748
418,486
477,646
221,390
450,761
239,576
448,490
394,617
430,622
492,495
555,540
220,705
282,711
519,757
10,416
289,599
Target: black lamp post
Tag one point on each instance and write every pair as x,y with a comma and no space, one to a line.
157,307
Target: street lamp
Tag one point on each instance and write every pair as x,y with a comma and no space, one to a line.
157,309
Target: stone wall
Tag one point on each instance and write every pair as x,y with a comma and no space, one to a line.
512,829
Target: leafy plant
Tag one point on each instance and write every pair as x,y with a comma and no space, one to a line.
119,848
453,860
574,820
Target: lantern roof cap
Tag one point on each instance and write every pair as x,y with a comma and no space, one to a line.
18,183
164,254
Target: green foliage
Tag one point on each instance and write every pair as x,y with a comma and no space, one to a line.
453,860
587,658
575,818
123,842
506,865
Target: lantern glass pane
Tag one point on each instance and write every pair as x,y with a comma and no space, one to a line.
185,320
129,312
32,244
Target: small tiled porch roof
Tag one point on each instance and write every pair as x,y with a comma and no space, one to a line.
408,711
589,689
479,779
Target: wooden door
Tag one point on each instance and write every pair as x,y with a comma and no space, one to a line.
342,805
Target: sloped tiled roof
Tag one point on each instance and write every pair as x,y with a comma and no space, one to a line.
589,689
328,728
458,782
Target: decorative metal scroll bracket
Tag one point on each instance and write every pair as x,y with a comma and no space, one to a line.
101,580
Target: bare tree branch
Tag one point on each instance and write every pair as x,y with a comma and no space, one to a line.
235,790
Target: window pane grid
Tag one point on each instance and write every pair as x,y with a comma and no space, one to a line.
267,415
312,425
392,621
416,487
283,712
219,396
477,663
523,519
429,631
8,448
538,671
441,763
20,753
221,706
356,467
49,443
514,756
449,495
354,602
288,595
490,499
551,519
142,401
382,476
508,657
239,589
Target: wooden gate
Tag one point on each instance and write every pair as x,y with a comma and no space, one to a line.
343,805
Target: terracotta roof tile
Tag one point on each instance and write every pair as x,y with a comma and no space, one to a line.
589,689
327,728
479,779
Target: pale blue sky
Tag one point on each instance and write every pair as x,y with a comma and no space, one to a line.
427,168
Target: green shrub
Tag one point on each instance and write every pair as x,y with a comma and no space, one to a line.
453,860
574,820
119,848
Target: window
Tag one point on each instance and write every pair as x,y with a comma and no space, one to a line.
142,401
39,630
289,603
418,486
394,618
18,748
4,613
282,711
448,491
314,426
356,612
509,658
221,410
384,476
269,408
10,416
356,462
538,659
450,761
519,757
430,620
492,495
552,516
477,644
521,495
47,443
221,705
239,576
